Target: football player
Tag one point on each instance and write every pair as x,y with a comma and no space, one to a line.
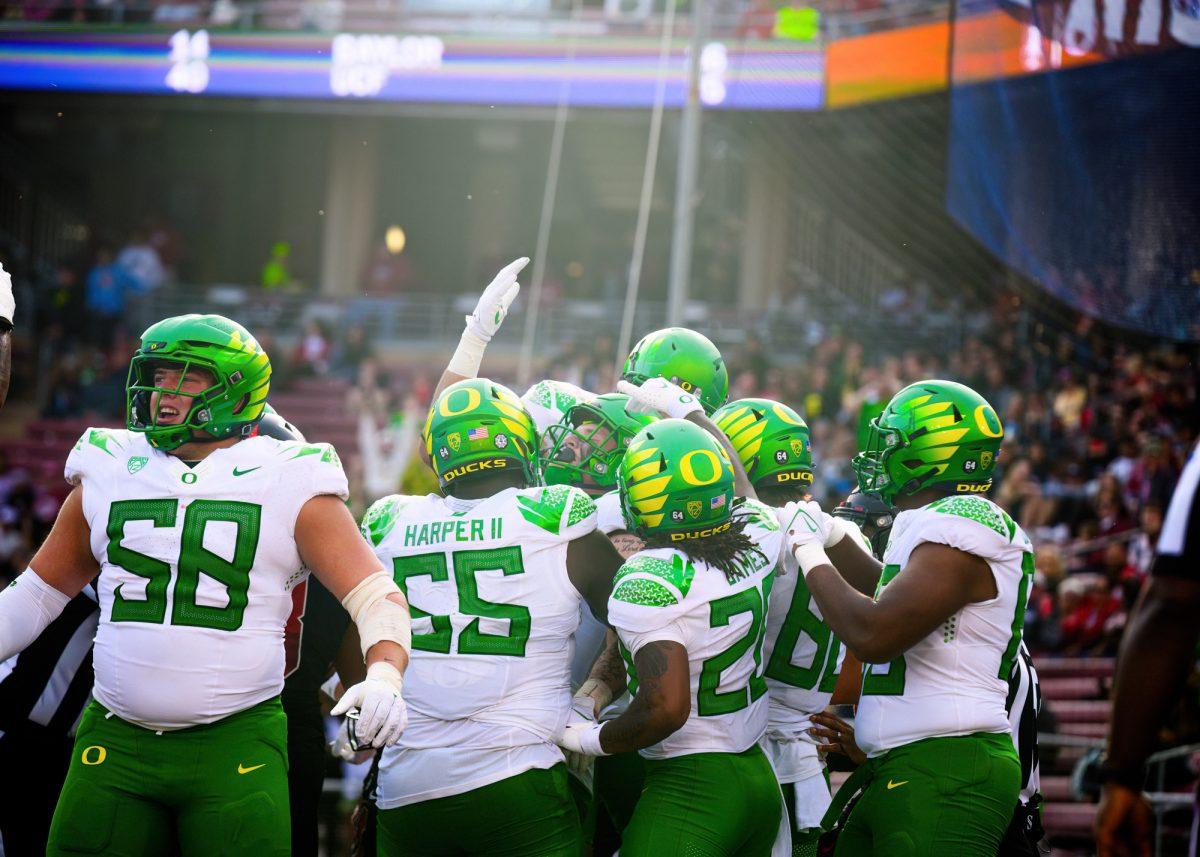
803,657
941,635
200,530
690,612
496,572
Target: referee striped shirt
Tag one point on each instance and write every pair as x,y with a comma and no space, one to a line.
50,682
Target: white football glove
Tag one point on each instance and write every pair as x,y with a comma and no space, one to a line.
382,714
8,304
808,530
494,302
581,738
583,713
658,395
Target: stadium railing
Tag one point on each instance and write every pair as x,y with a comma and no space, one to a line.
435,318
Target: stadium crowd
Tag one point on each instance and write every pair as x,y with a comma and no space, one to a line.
1096,428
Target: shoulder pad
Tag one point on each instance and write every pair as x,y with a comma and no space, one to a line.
759,514
977,509
98,445
324,452
381,517
649,581
557,508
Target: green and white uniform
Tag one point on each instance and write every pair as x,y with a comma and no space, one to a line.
488,685
196,570
803,660
734,806
934,718
548,401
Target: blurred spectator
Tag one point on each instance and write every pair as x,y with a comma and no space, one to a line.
140,261
275,273
108,285
351,351
386,447
387,273
311,354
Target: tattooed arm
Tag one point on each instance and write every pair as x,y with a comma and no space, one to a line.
662,704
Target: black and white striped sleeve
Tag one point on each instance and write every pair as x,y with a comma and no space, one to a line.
1179,543
1024,703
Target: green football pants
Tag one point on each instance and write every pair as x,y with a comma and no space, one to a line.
529,814
938,796
214,789
706,805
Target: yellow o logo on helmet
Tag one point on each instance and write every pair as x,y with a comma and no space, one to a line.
985,417
688,472
473,401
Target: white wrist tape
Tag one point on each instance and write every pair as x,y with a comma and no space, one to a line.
810,556
468,355
589,740
27,606
376,617
385,672
838,531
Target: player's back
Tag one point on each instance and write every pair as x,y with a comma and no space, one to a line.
661,594
196,567
954,681
493,613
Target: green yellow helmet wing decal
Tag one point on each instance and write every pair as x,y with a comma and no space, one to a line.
931,433
771,439
477,427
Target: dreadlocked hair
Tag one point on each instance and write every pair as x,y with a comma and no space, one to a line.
731,552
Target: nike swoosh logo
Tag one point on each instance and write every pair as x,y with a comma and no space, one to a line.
244,770
892,785
237,472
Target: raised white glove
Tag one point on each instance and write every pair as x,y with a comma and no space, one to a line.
581,738
8,304
807,529
382,714
494,302
658,395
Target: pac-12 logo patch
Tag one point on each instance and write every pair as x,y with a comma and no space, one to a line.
694,508
135,463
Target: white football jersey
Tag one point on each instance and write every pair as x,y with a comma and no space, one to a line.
609,518
548,402
660,594
803,656
493,613
197,565
955,680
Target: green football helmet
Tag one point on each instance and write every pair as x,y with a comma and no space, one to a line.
585,448
771,439
930,433
231,407
683,357
478,427
676,480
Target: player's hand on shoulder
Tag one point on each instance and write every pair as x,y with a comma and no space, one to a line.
658,395
8,304
380,712
805,522
493,304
